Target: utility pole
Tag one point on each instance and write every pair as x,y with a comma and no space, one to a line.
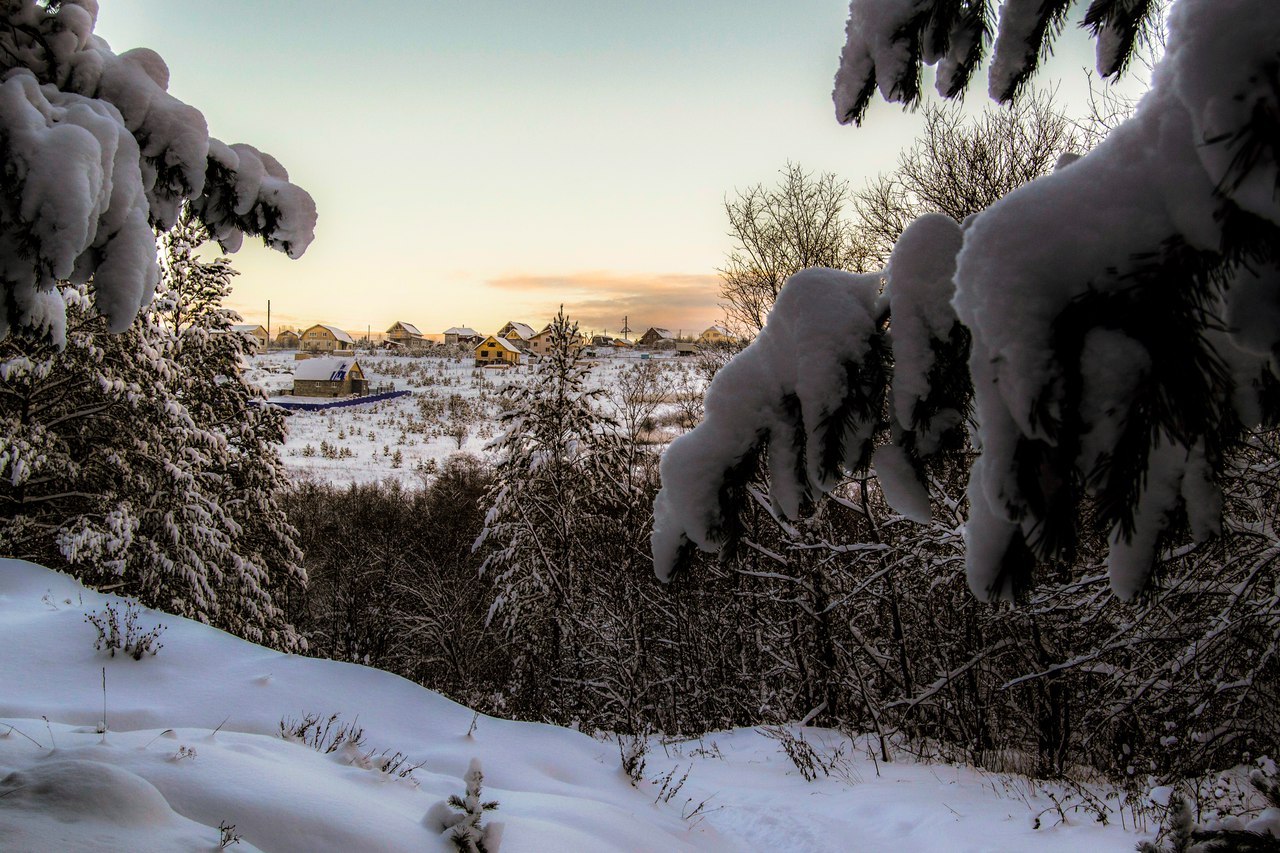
268,325
626,329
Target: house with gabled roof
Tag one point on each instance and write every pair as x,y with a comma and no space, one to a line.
335,376
540,344
715,334
287,339
494,350
406,335
513,330
254,333
325,338
464,335
655,337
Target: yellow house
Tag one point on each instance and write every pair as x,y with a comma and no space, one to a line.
496,350
715,335
322,338
287,339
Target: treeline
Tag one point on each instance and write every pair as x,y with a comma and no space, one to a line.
854,618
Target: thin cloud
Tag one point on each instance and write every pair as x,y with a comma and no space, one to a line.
599,300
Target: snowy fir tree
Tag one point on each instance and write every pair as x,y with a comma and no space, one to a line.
1114,320
250,475
558,489
98,153
140,461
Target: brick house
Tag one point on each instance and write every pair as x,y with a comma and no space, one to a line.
329,377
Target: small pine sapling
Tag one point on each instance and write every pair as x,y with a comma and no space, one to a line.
461,817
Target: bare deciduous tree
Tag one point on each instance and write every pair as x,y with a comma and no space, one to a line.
799,223
959,166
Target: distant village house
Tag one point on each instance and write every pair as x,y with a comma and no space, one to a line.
329,377
494,350
657,338
287,339
715,335
322,338
256,335
516,331
406,335
462,335
540,344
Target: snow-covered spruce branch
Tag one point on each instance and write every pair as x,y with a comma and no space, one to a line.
887,41
100,153
1090,307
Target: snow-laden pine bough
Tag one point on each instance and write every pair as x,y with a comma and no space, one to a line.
96,153
1119,317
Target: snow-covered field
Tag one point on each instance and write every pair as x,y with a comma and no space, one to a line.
453,407
192,743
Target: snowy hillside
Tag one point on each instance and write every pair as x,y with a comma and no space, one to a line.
193,743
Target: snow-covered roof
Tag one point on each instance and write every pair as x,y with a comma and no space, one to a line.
247,328
717,329
408,327
334,369
336,332
662,333
524,330
462,332
502,342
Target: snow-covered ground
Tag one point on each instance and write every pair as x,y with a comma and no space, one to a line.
453,407
192,742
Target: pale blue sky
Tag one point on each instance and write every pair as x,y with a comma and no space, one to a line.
481,161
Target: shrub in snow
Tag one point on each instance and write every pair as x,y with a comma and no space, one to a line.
632,750
1093,302
227,835
99,152
462,817
124,635
806,758
323,734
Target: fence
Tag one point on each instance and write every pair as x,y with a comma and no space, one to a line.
340,404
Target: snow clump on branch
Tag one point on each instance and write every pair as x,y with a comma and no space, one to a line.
1090,307
804,390
98,152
